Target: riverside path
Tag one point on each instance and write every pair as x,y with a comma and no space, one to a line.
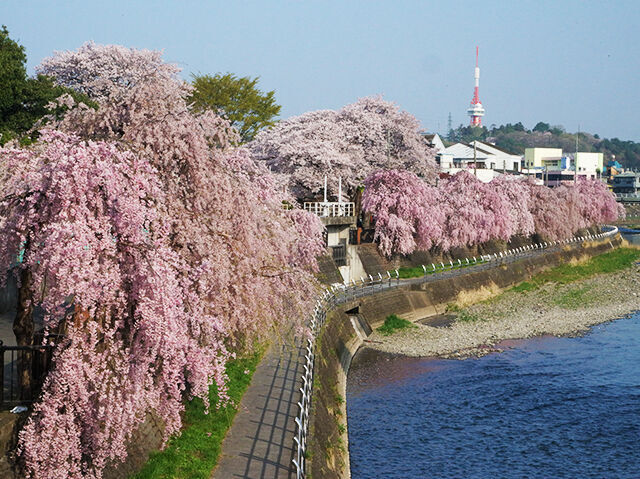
260,444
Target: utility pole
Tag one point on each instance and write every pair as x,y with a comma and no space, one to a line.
545,176
575,177
325,188
475,160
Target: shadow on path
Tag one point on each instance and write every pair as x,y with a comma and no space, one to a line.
260,443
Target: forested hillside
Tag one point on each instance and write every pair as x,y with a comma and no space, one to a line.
515,138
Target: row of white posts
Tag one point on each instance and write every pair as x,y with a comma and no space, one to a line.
338,294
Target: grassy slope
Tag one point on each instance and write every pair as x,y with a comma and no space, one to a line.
573,297
609,262
417,271
194,453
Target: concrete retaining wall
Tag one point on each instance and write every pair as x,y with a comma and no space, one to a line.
433,297
342,335
147,438
328,448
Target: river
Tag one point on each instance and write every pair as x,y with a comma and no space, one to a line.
631,235
544,408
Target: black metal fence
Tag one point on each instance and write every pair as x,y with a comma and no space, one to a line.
22,372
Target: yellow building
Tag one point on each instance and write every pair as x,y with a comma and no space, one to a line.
541,157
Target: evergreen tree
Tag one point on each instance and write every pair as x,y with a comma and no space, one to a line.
23,100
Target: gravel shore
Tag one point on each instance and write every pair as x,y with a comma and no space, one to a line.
554,309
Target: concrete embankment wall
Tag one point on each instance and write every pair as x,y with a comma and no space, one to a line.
346,326
328,448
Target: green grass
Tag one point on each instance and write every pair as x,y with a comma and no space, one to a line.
194,453
466,316
609,262
393,324
417,271
575,298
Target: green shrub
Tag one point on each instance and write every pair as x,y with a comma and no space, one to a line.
393,323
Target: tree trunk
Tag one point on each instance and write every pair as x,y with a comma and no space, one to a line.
23,328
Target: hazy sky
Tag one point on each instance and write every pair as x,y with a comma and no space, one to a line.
573,63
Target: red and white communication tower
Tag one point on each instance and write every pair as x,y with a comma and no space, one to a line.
476,110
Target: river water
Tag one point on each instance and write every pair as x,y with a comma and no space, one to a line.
545,408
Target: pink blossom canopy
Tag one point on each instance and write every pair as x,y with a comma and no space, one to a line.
159,246
349,143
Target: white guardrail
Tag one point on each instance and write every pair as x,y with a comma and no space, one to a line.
335,208
339,294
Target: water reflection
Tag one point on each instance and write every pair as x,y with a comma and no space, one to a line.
373,369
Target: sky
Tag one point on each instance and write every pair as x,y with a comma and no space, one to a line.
569,63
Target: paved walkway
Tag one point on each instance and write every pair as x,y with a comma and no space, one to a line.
260,443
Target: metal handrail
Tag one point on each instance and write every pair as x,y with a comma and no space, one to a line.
330,208
340,294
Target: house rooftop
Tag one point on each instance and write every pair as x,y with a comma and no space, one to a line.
493,149
460,150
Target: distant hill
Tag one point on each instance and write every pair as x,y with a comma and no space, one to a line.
515,138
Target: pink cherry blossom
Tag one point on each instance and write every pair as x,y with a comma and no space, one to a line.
155,243
349,143
462,211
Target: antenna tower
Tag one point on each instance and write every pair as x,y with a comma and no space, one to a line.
476,110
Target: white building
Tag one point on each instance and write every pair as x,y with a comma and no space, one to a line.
484,160
555,168
434,141
589,163
498,158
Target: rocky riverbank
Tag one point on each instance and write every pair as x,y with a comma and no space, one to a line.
554,309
